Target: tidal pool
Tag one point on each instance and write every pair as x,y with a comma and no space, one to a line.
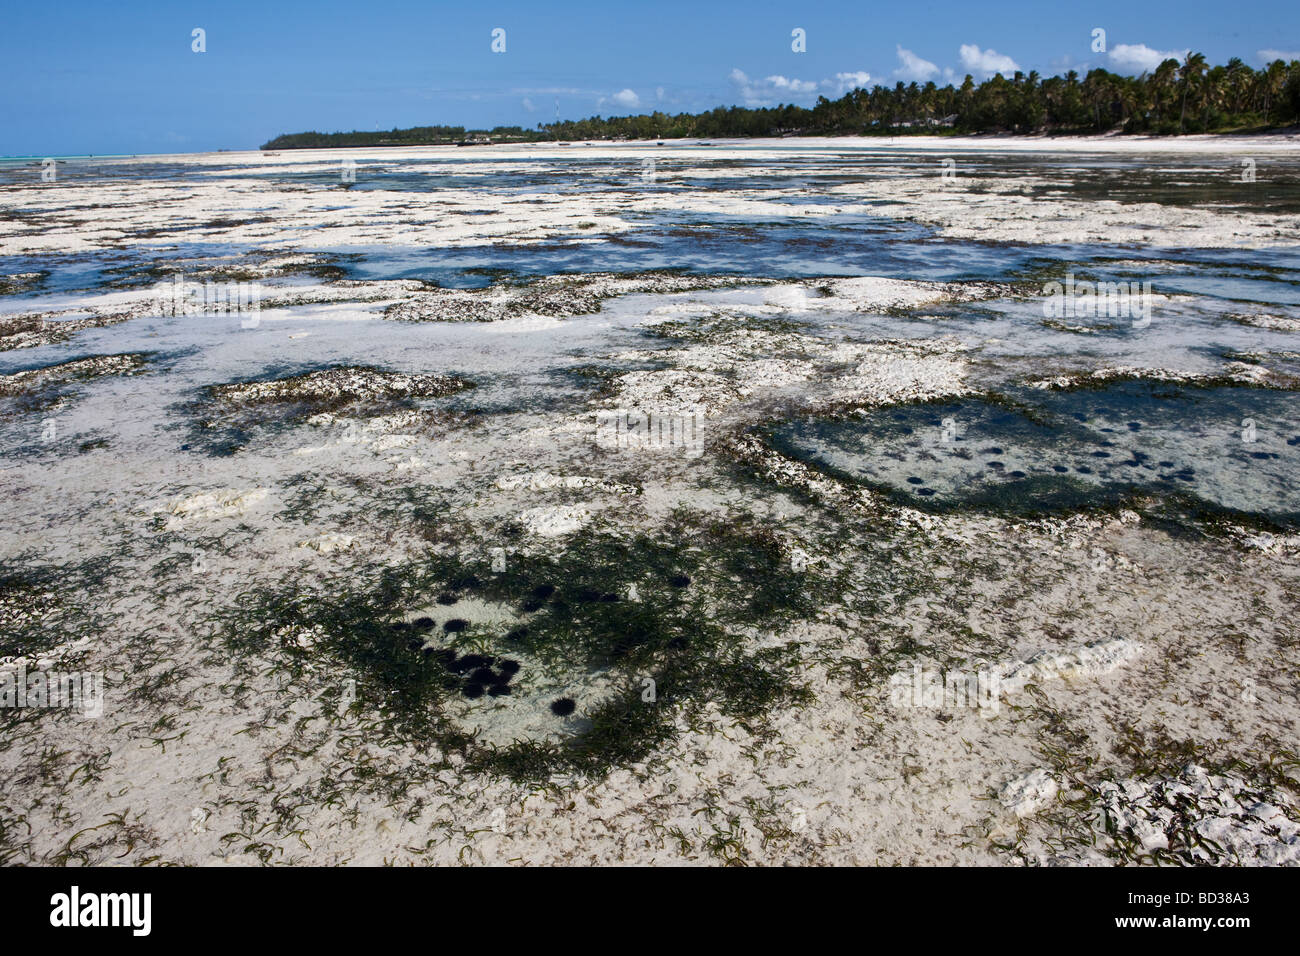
1224,449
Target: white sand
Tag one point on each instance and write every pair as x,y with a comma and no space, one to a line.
1114,637
291,216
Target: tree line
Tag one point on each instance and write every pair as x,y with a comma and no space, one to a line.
1174,98
414,136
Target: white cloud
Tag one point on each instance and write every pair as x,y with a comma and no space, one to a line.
1140,58
626,99
793,85
843,82
659,93
912,68
528,105
770,90
986,62
1268,56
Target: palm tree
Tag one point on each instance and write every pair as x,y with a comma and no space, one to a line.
1190,73
1161,82
1130,99
1274,80
1237,75
1098,90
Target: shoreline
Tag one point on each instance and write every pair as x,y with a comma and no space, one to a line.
1285,139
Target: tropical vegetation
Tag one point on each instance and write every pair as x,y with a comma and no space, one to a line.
1174,98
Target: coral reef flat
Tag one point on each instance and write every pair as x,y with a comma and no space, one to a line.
780,501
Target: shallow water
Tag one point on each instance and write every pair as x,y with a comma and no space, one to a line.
1030,451
859,238
353,552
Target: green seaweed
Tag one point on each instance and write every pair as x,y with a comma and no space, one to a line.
686,632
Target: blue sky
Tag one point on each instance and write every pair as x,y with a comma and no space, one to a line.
87,76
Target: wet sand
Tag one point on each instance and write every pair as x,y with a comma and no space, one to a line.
343,557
